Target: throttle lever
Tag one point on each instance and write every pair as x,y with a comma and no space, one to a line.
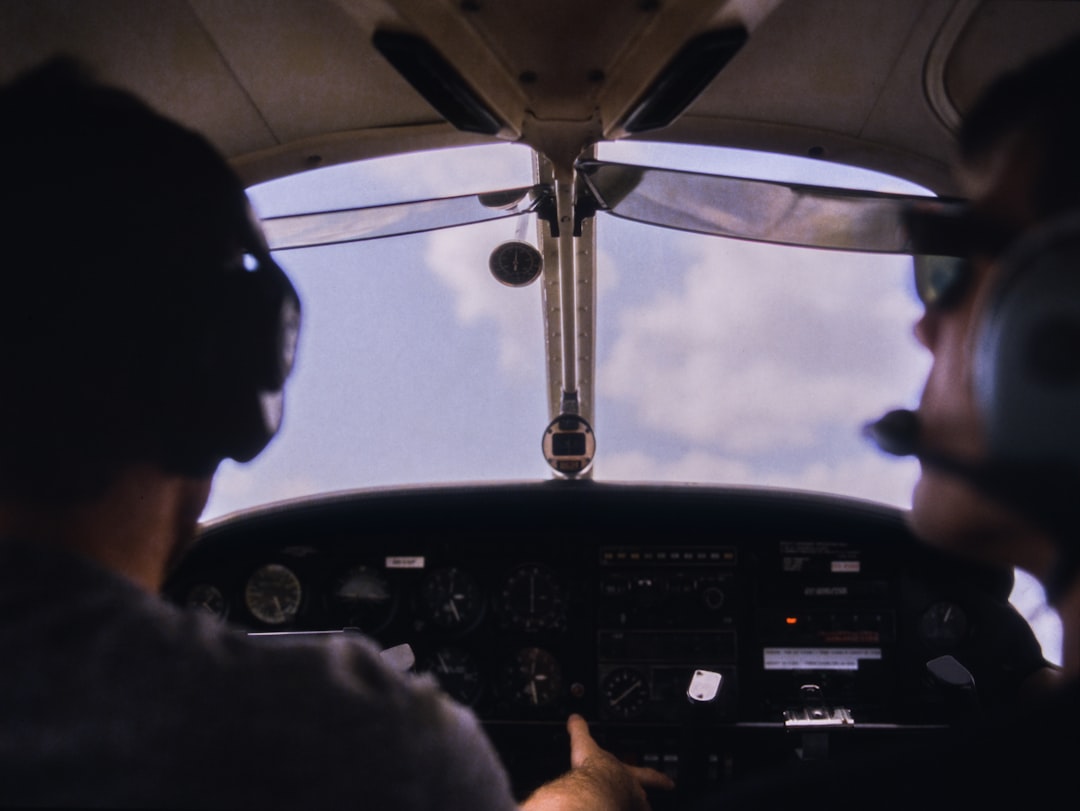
815,719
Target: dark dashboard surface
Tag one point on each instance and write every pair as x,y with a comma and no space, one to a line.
813,618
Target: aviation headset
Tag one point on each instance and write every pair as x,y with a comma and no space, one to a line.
1027,356
1026,386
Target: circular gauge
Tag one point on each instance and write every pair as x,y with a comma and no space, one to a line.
516,263
272,594
451,599
208,598
625,691
364,598
943,623
457,672
531,599
533,678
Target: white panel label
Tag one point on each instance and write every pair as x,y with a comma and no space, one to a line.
818,658
405,562
845,566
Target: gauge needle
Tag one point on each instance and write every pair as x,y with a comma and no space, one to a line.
453,610
625,693
532,689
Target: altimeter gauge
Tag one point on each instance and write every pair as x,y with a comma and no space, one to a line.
533,678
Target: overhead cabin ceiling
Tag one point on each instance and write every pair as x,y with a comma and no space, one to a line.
286,85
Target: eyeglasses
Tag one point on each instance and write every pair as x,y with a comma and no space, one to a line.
942,240
940,281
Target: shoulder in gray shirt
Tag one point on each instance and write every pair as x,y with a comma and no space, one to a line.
111,697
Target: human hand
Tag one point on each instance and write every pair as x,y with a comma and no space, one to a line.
597,780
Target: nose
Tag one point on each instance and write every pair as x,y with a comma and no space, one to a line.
926,329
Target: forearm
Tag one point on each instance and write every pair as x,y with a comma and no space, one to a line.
591,787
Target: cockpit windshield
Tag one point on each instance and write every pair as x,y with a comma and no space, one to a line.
717,360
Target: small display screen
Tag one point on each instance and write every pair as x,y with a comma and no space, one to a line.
818,658
568,444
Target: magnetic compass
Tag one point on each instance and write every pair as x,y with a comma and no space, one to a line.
516,263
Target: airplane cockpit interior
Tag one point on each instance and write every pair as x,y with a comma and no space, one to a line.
598,299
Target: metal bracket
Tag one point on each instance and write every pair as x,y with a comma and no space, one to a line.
815,714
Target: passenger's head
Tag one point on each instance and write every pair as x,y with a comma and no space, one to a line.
145,319
1028,121
1020,170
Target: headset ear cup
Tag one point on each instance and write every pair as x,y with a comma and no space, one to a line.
223,396
258,344
1027,363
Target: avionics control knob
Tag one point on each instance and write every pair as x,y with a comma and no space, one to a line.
713,596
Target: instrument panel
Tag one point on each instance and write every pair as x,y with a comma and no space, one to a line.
812,622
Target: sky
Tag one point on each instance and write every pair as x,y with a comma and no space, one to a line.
718,361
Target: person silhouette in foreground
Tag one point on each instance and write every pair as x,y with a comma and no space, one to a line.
997,431
148,335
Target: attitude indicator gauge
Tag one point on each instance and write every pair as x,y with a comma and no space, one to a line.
363,598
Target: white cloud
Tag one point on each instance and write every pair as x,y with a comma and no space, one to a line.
870,476
458,257
465,170
696,466
761,348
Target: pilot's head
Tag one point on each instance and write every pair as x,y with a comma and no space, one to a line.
145,320
1005,382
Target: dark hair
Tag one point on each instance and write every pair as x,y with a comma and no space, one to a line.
109,215
1040,100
